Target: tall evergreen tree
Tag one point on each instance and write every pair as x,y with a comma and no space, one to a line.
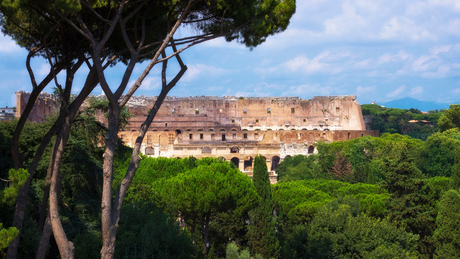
455,183
261,230
446,235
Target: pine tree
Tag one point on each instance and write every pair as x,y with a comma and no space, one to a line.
455,182
446,235
261,230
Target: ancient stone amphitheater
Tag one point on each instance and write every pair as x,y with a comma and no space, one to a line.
235,129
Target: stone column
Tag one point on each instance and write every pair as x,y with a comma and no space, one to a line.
241,165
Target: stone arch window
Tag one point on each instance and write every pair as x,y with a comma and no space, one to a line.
269,110
188,130
149,151
245,110
234,149
292,129
222,130
178,131
311,149
304,120
199,130
233,129
235,161
210,129
275,162
326,129
173,111
304,129
197,111
315,129
206,150
292,110
220,110
269,129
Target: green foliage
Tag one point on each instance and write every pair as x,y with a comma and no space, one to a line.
446,235
7,235
339,231
17,180
261,230
232,253
410,122
439,153
455,184
202,193
88,245
451,119
409,207
145,232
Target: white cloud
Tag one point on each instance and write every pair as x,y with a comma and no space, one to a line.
196,71
440,49
309,90
416,91
403,27
364,90
455,91
397,93
7,45
303,63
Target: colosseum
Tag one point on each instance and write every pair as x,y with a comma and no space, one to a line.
236,129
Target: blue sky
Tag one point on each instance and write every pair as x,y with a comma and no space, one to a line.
378,50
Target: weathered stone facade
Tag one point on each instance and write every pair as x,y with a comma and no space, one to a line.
238,129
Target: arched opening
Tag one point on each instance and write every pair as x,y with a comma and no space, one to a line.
178,131
234,150
275,162
248,164
304,129
269,129
233,129
221,158
166,130
210,130
222,130
311,149
292,129
149,151
315,129
326,129
188,130
235,161
199,130
206,150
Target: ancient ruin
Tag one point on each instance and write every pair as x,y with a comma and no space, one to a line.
236,129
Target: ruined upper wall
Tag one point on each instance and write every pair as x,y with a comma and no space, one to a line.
45,105
322,112
210,112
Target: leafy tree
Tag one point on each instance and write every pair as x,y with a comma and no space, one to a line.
446,235
199,195
232,253
455,184
131,32
439,153
407,206
451,118
261,229
145,232
338,230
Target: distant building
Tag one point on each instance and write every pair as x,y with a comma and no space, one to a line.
7,113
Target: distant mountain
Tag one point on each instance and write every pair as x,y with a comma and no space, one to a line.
407,103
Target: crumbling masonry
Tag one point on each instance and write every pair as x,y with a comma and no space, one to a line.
234,129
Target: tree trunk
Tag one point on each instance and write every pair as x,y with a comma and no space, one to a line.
46,234
66,248
109,222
